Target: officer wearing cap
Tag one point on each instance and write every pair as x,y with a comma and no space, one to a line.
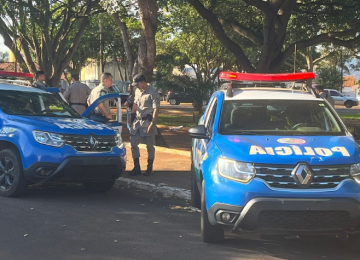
104,107
143,118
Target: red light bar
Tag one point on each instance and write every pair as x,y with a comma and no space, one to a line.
10,74
254,77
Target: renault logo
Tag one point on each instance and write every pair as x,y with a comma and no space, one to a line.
93,142
303,175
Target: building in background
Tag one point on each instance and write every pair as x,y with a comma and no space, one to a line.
350,88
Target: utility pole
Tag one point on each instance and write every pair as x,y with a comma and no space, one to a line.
101,49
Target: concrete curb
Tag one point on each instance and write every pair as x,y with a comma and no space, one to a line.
166,191
164,150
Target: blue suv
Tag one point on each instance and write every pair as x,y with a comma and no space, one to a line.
269,155
43,140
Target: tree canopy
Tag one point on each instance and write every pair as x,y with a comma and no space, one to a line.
41,33
276,29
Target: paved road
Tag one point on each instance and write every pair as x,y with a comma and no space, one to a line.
344,110
69,223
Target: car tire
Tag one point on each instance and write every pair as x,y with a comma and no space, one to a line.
209,233
172,101
348,104
12,180
195,193
99,187
177,102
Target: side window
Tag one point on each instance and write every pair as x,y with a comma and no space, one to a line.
210,124
334,94
208,112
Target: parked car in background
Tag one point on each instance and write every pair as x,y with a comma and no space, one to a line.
177,97
342,100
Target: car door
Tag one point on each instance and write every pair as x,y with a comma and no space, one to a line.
338,99
200,145
114,124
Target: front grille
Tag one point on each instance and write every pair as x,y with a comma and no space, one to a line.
303,220
279,176
81,142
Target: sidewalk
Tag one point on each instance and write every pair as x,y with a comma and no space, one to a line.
171,175
170,169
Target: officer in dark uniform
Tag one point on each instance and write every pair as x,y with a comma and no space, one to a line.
143,118
39,83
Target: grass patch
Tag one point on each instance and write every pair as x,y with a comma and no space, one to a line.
170,120
350,116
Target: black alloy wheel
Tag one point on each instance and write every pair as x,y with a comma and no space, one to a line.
12,181
7,174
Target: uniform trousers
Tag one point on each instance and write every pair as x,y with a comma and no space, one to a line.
149,141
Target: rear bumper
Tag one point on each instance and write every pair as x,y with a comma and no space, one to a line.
281,215
76,170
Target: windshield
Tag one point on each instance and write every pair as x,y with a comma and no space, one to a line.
34,104
278,117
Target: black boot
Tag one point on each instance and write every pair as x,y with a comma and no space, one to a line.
149,169
137,169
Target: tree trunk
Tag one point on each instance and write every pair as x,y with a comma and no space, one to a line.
147,50
127,46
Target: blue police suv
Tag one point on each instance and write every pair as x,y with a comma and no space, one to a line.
269,155
43,140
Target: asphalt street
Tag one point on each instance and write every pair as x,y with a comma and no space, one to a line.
69,223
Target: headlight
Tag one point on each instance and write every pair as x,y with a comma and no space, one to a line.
119,141
355,172
237,171
48,138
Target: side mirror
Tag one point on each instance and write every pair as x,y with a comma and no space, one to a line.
357,132
199,132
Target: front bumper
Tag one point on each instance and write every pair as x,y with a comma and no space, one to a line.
284,215
77,169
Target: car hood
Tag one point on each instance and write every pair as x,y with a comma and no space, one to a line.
315,150
81,126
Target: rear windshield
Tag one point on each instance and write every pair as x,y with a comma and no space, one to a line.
278,117
34,104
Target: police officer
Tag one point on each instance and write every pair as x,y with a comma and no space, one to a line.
104,107
77,94
319,89
143,118
39,83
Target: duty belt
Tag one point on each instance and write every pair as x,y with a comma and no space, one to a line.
79,104
148,117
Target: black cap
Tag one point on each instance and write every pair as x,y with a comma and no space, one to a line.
39,72
75,76
137,79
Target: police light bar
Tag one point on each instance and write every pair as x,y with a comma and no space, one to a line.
254,77
15,75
